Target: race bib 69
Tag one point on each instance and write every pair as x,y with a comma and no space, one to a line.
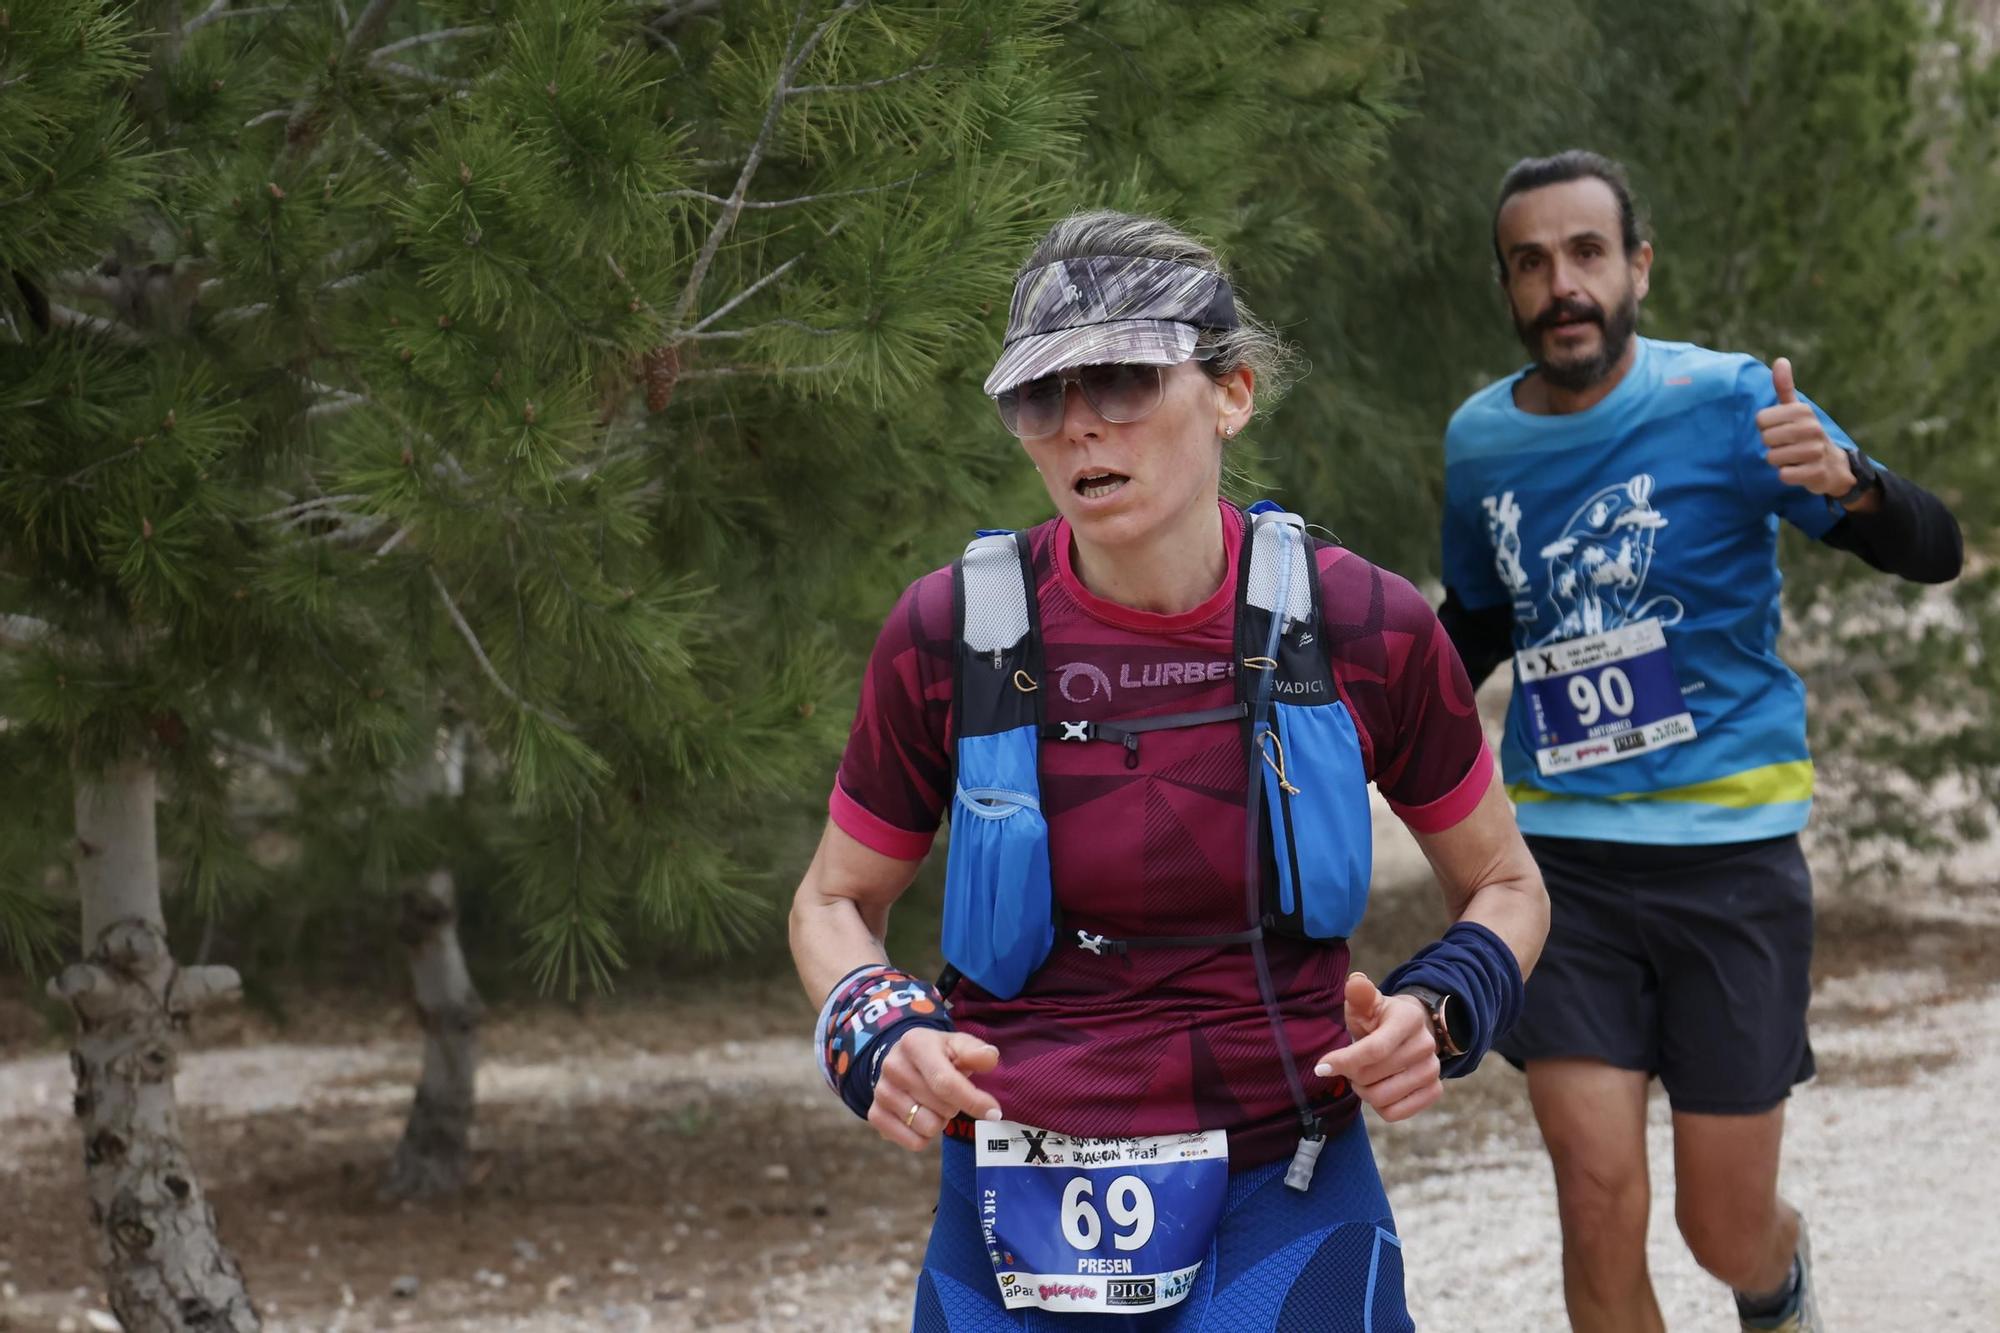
1115,1225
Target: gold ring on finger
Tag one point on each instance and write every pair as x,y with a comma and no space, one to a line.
910,1120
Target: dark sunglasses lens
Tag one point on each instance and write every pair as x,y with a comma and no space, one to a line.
1121,393
1032,410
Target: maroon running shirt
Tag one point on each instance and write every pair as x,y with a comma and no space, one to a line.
1163,1040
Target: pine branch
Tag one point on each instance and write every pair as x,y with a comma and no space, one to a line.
369,27
445,456
746,294
585,471
109,328
761,204
76,478
843,194
349,529
334,407
277,760
305,507
402,71
86,283
729,372
163,20
755,329
337,400
486,663
220,10
359,37
424,38
686,9
733,208
348,253
237,313
910,73
207,16
388,159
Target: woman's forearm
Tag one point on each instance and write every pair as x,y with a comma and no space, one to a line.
1517,910
829,940
841,910
1488,876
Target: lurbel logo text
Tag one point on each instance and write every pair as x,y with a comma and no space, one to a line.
1082,682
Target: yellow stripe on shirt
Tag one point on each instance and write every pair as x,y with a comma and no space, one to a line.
1773,784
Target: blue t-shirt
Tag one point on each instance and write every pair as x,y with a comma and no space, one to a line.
1654,507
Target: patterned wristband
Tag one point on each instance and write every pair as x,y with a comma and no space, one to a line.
873,1006
835,1005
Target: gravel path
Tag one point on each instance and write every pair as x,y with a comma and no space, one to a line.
1891,1153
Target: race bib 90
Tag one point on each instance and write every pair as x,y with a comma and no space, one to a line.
1603,698
1116,1226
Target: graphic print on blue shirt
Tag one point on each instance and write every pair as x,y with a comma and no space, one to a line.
1655,505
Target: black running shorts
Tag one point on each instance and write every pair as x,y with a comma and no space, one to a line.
1689,962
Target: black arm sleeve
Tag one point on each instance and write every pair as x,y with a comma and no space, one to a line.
1484,638
1912,535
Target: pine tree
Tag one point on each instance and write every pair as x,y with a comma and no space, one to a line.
455,369
1400,315
1870,257
1821,181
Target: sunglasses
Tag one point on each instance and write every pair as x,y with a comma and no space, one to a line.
1118,392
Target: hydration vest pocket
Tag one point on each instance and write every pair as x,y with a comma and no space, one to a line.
998,899
1322,840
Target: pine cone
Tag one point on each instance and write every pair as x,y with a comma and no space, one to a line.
660,368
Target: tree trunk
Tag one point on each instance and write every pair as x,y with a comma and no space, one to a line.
437,1143
165,1267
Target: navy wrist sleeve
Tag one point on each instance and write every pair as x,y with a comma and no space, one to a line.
1475,967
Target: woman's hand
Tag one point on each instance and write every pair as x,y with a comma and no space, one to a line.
924,1084
1393,1062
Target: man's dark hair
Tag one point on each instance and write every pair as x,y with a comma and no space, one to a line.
1532,173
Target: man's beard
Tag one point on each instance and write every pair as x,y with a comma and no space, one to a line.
1615,333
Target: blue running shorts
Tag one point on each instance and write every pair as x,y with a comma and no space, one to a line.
1325,1261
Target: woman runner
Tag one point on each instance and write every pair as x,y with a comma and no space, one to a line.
1152,1120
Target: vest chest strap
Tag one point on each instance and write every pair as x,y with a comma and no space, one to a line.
1101,945
1126,732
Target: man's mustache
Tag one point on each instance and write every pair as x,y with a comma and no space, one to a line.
1568,312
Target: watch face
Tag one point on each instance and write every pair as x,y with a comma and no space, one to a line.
1441,1025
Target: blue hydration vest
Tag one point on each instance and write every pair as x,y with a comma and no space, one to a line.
1308,793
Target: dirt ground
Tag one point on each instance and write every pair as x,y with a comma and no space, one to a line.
675,1164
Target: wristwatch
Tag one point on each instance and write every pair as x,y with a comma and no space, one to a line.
1438,1005
1866,478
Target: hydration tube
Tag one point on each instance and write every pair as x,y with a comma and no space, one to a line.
1299,1175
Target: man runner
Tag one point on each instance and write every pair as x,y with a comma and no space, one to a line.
1611,523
